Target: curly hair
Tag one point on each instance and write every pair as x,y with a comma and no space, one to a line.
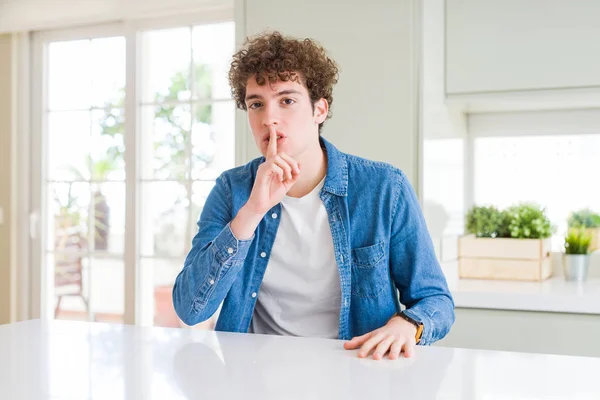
272,56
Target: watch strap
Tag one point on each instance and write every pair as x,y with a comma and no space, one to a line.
417,324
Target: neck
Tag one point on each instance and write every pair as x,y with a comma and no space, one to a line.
313,168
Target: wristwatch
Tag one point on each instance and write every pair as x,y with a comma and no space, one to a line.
417,324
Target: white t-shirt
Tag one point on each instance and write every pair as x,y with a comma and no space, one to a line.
300,294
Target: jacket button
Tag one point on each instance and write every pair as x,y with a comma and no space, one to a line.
254,295
263,254
274,215
230,250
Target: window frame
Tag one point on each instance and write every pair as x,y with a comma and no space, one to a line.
549,122
131,30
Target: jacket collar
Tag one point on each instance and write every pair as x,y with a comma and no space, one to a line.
336,180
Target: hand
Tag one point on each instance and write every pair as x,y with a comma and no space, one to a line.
275,177
395,336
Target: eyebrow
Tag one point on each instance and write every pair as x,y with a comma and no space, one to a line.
278,94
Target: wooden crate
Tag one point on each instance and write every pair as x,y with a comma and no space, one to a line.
506,259
595,244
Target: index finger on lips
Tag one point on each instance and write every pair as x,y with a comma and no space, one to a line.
272,149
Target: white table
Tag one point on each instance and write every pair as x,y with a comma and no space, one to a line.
76,360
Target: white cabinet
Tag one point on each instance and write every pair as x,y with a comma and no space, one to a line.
525,331
521,45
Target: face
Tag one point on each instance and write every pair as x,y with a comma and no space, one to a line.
285,106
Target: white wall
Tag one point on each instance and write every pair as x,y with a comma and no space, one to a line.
375,102
437,121
443,132
25,15
518,45
8,73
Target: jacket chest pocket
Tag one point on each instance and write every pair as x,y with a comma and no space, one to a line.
370,271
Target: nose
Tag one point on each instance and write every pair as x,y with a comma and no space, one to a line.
271,116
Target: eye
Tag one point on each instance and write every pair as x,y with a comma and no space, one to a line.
288,102
254,105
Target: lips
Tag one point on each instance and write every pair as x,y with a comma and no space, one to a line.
267,137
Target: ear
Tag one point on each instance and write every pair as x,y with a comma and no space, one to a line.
321,110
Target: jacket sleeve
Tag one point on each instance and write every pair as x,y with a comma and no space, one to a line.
214,261
415,268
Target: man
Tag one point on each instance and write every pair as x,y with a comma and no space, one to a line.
307,240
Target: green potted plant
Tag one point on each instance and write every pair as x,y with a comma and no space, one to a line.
508,244
529,221
576,258
487,221
590,221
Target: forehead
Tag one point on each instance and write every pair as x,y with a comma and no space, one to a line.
272,89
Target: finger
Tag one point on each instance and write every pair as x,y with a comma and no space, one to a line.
383,348
272,149
295,174
357,341
409,348
289,183
369,345
284,166
293,163
395,349
276,171
267,171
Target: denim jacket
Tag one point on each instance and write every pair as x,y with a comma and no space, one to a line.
382,249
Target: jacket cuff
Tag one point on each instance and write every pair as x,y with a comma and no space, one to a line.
427,335
228,248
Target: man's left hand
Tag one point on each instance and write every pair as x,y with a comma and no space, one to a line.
395,336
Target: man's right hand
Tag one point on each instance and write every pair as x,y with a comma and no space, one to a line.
274,178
